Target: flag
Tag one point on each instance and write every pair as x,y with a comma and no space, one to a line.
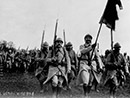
110,15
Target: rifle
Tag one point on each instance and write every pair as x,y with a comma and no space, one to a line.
27,48
64,38
35,48
53,46
55,36
42,37
18,48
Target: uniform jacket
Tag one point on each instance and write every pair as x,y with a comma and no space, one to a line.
111,68
61,69
41,62
96,63
73,60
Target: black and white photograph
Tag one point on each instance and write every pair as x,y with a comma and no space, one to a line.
64,49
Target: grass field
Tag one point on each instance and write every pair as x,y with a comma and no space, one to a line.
27,86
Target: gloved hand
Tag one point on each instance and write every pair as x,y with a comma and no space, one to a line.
94,45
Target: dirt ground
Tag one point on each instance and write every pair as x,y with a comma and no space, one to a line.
27,86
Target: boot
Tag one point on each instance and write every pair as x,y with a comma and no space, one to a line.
54,95
85,89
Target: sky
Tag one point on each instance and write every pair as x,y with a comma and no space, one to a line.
23,21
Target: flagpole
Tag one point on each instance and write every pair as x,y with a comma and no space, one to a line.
98,33
96,39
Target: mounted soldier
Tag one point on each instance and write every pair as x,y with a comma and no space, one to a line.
116,69
74,63
59,66
89,68
42,68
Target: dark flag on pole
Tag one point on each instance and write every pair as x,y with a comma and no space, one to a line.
110,13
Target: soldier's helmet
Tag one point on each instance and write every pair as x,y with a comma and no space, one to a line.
69,44
59,40
45,44
125,54
117,45
88,37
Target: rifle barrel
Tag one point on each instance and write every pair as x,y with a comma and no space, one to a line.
64,37
55,36
42,37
